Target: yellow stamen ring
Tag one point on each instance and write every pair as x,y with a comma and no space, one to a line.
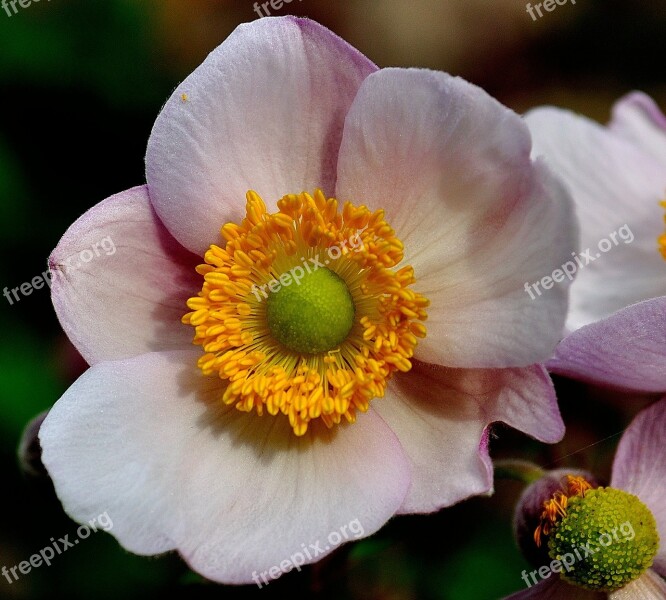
230,320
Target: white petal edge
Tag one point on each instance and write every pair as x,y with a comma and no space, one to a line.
144,440
479,220
616,186
637,117
129,297
640,467
443,419
265,112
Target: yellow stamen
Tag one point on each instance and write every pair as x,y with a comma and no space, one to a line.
556,507
229,314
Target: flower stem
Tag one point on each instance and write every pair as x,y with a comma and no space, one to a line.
518,470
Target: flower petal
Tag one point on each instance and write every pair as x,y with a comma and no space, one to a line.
554,588
442,418
640,467
120,281
626,350
617,186
147,440
479,220
264,111
637,117
648,587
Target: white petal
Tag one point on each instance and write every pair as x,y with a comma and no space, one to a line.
265,112
617,187
479,220
443,416
146,441
121,281
640,467
637,117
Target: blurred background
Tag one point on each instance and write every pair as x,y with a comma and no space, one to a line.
81,83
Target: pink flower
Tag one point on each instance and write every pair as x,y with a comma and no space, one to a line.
276,445
617,316
640,470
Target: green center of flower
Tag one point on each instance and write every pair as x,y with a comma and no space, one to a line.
311,313
607,539
306,312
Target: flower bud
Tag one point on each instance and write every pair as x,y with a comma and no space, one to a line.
530,507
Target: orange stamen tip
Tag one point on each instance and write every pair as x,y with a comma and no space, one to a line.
556,506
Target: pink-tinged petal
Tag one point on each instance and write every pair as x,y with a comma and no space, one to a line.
617,186
452,168
147,440
554,588
640,467
637,117
264,111
648,587
120,281
626,350
442,418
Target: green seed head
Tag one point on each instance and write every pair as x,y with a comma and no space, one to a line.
312,315
619,532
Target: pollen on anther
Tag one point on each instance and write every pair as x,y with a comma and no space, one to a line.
230,321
